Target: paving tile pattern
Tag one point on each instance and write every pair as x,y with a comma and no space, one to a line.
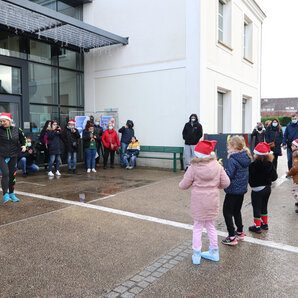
151,273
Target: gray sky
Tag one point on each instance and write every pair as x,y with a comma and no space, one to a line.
280,48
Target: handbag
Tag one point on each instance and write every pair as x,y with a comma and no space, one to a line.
272,144
113,146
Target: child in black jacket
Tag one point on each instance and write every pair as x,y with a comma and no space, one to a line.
261,174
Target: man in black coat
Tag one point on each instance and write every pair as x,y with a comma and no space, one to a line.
192,133
70,137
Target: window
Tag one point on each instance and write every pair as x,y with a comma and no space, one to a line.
70,59
12,45
224,21
71,92
42,52
246,114
220,115
247,39
43,85
10,80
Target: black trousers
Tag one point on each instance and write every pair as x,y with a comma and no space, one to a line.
275,160
232,208
8,174
259,201
106,154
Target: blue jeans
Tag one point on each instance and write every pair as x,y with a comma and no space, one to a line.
132,160
72,156
123,151
90,158
54,157
289,156
22,165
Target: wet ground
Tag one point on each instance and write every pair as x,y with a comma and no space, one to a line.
130,236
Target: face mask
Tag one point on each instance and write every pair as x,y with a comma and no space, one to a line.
260,128
193,120
29,144
96,123
110,127
294,121
274,124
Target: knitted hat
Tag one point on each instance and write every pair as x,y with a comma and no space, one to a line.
295,142
262,149
71,121
205,149
6,116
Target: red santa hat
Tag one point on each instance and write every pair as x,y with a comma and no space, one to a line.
205,149
6,116
295,142
262,149
71,121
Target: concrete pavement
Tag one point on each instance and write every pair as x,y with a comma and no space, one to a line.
51,247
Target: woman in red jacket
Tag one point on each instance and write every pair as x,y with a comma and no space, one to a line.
111,144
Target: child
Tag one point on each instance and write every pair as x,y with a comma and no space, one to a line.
239,158
133,151
294,171
206,176
261,174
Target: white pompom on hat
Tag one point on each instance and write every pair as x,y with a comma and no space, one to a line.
295,142
205,149
262,149
6,116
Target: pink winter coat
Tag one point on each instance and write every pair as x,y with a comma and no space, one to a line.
205,176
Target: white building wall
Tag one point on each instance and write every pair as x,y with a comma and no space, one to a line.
172,66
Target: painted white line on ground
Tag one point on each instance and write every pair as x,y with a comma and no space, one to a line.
180,225
280,181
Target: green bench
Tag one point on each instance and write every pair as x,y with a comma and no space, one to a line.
165,149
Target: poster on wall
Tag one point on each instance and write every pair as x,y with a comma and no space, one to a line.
81,123
104,120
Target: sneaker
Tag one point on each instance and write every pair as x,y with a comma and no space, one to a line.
130,168
74,171
104,167
255,229
264,226
93,170
6,198
127,168
112,167
58,173
50,174
69,171
89,170
296,210
13,197
296,204
25,175
229,241
240,235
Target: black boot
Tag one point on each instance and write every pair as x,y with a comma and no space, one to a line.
264,226
255,229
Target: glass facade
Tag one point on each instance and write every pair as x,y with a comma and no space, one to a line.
55,78
61,6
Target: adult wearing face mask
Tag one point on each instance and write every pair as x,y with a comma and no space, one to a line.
70,137
26,160
274,137
291,134
127,132
11,140
259,133
192,133
111,144
98,131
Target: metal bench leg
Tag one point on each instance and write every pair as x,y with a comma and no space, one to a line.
181,162
174,162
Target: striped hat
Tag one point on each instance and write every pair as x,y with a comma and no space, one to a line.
295,142
262,149
6,116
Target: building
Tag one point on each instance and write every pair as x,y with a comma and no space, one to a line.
42,45
275,107
183,57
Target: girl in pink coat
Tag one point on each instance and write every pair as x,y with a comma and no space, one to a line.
206,176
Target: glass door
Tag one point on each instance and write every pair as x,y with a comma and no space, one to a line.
10,92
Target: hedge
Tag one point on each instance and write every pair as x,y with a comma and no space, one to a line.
284,120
